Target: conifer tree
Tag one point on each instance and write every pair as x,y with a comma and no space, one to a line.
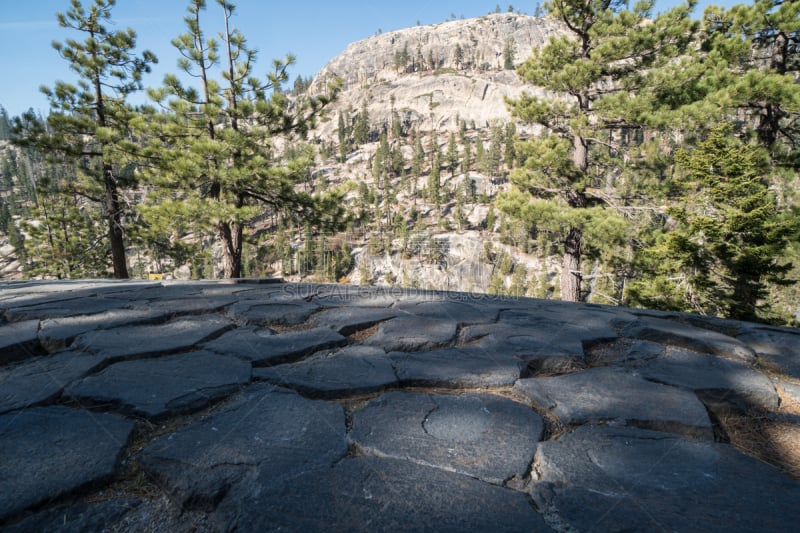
729,238
89,122
214,144
599,68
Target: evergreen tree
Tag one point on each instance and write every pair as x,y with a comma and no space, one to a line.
89,122
729,238
452,155
599,67
361,126
217,163
5,124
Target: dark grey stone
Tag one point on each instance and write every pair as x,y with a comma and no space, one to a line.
480,435
467,367
140,341
263,349
79,517
545,350
41,379
58,333
410,334
65,307
246,342
610,394
268,431
349,320
259,313
377,494
462,313
46,452
164,386
670,333
779,347
719,380
623,479
19,341
351,370
198,304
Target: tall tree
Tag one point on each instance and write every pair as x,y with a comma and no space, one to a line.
598,68
89,122
752,59
215,143
729,237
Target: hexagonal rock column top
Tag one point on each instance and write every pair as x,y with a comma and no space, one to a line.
266,430
603,394
328,374
165,386
410,334
140,341
377,494
46,452
723,381
625,479
481,435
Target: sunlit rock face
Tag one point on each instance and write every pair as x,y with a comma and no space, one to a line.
258,405
375,73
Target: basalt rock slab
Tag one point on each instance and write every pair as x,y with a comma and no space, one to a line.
464,367
532,341
263,349
46,452
779,347
165,386
19,341
258,313
624,479
350,370
57,333
267,431
142,341
84,516
64,308
722,381
484,436
411,334
677,334
463,313
41,379
609,394
377,494
349,320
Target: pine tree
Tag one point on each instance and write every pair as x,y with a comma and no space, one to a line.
452,155
215,145
89,122
729,238
599,68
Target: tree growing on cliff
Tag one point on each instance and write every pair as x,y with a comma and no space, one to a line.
599,69
88,124
217,166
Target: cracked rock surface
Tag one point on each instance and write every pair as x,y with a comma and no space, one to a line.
258,405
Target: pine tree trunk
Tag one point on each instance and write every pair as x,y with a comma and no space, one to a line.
114,220
230,233
571,266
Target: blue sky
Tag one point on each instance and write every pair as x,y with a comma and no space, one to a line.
313,30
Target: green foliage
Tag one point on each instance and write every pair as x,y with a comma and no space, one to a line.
89,122
217,165
727,245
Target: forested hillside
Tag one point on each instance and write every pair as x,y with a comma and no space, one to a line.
598,153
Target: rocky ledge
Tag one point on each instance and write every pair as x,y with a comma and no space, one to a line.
208,406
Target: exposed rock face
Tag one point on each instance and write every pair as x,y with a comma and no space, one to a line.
432,96
330,407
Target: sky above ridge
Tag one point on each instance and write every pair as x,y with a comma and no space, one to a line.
315,31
